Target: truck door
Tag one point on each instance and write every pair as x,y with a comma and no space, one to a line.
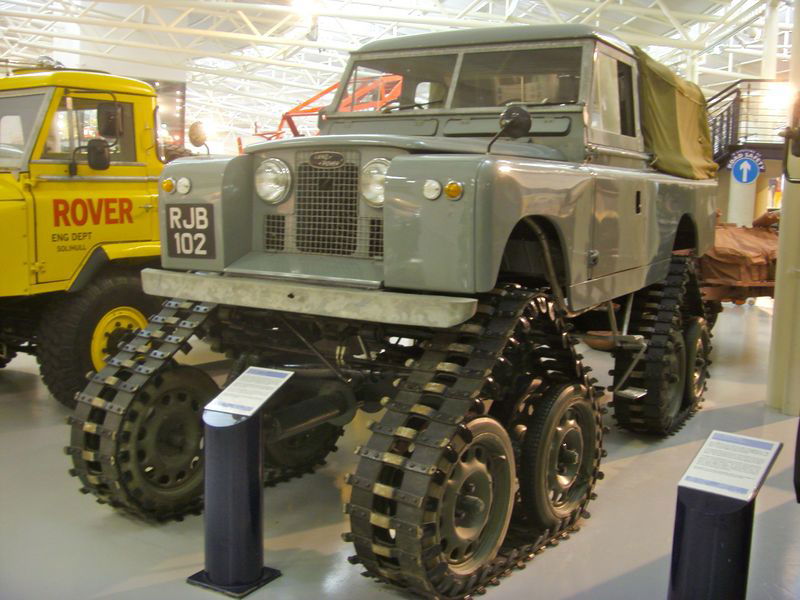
620,211
75,214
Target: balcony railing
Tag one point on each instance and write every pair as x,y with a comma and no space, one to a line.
748,112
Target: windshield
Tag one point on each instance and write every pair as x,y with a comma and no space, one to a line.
486,79
18,127
399,83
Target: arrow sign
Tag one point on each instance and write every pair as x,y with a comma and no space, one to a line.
745,170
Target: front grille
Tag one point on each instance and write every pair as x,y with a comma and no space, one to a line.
327,207
325,219
274,233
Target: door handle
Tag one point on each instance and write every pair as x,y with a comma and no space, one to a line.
147,207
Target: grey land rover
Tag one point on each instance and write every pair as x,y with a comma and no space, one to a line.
420,258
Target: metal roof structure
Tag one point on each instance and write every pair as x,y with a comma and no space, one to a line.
246,62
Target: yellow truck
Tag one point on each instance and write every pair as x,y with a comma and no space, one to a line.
79,166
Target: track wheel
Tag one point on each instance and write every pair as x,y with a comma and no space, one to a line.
477,500
160,453
302,452
79,330
560,457
445,546
698,346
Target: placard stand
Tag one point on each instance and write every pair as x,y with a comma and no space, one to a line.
714,517
234,491
234,530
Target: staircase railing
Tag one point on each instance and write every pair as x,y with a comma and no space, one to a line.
748,111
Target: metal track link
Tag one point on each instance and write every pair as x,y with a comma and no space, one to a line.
393,520
97,422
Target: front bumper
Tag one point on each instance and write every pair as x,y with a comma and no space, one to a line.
421,310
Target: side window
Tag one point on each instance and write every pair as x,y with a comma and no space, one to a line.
612,96
75,123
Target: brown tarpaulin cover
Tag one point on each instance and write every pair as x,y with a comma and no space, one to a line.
674,121
742,256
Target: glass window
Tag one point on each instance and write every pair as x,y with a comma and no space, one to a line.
17,126
399,83
75,123
612,96
535,76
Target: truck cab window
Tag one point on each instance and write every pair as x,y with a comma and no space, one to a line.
72,128
612,96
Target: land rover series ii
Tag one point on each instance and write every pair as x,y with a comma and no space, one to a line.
419,258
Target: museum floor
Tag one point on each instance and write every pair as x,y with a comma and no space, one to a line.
57,543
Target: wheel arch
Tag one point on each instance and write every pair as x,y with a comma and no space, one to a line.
522,254
685,234
128,255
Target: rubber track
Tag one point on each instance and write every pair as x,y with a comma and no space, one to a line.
478,345
668,304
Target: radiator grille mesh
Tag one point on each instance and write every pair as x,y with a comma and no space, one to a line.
325,218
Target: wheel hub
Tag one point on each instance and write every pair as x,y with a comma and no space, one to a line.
170,440
699,368
109,331
567,455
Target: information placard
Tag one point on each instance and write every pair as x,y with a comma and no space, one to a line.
731,465
249,391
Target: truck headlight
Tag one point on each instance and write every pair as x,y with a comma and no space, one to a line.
373,181
273,180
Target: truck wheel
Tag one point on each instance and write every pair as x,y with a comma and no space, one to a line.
560,456
77,331
698,346
298,454
660,311
160,453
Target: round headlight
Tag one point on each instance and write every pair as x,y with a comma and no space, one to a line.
273,180
373,181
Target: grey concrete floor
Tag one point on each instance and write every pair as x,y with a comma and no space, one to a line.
57,543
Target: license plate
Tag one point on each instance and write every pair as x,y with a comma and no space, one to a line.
190,231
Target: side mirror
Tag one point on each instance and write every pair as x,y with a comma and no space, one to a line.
98,155
109,119
197,134
515,122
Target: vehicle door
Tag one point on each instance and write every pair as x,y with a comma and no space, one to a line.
619,232
77,213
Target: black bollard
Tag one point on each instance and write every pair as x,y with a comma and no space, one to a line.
714,517
234,552
711,547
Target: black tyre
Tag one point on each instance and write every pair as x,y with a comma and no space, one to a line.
299,453
660,314
560,457
697,338
77,331
160,451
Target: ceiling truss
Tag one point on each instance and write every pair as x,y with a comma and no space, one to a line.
247,62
